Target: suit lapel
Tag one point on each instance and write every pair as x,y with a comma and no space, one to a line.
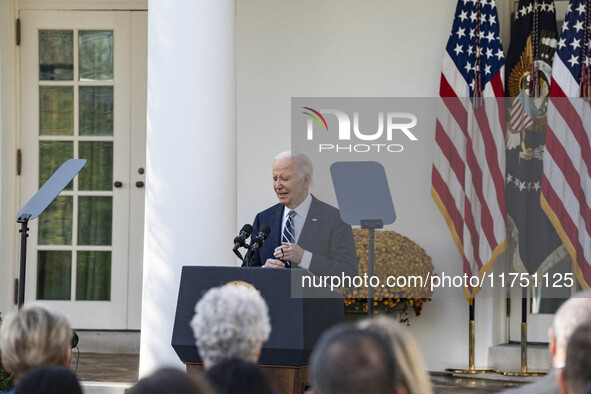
276,221
311,224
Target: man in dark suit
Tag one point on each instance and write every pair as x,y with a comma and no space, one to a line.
305,232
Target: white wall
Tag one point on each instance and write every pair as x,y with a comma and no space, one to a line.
349,48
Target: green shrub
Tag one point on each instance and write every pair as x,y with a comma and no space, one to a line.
5,378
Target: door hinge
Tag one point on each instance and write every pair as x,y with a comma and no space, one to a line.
16,291
19,161
508,300
18,31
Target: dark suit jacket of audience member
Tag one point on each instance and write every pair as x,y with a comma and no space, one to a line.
325,235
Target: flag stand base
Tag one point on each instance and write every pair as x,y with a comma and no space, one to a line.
471,342
520,373
523,371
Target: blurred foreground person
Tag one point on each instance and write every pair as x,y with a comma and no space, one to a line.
230,322
171,381
49,380
410,366
238,377
35,336
349,360
575,377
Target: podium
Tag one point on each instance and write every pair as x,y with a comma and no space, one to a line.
298,317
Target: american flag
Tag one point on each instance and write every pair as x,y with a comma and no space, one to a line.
566,181
469,158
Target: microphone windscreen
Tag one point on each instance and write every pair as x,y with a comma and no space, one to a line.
247,228
265,230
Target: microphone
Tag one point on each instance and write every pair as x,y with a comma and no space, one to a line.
257,241
244,233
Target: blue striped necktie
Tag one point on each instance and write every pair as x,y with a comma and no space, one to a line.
288,232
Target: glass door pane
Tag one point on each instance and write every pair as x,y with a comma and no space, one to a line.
96,55
94,276
56,55
56,110
76,120
54,269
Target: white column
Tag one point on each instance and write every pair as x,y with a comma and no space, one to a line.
8,101
191,157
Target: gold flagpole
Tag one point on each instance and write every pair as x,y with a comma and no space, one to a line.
523,371
471,347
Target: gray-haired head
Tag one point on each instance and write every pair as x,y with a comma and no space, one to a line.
299,162
230,322
573,312
349,360
35,336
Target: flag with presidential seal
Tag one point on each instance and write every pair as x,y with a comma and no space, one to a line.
534,38
566,180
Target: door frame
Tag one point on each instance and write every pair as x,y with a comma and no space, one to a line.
129,280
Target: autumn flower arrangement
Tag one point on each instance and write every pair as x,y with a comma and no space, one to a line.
399,262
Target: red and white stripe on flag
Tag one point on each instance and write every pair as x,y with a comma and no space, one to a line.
566,180
468,171
519,118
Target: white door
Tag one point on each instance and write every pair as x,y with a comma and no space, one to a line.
83,95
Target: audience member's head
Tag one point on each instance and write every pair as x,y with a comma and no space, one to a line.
238,376
575,377
35,336
574,311
411,372
49,380
230,322
348,359
171,381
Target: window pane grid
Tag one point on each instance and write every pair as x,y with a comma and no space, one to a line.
62,262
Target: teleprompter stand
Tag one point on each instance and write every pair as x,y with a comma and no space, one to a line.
364,199
35,207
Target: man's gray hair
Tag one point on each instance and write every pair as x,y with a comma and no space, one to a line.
230,322
35,336
572,313
300,162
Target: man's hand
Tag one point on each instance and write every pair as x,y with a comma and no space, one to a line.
272,263
289,252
